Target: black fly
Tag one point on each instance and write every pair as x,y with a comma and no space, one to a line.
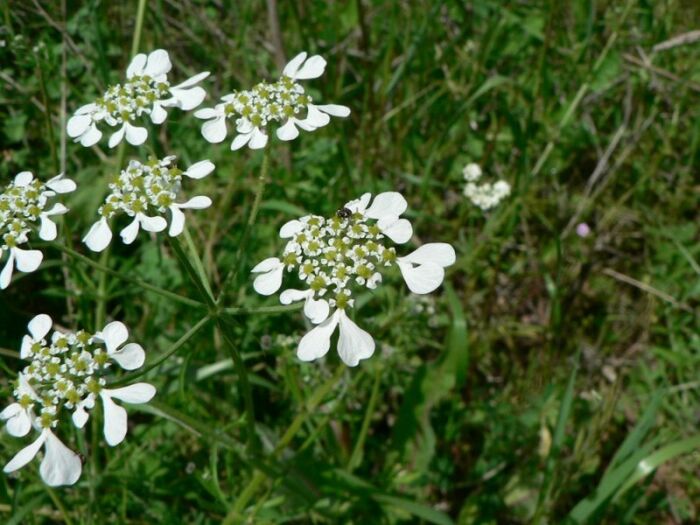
343,213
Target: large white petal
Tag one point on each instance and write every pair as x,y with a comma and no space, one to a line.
60,466
158,63
292,67
398,231
177,221
23,179
316,118
129,233
240,140
192,80
387,203
354,343
335,109
130,357
6,274
91,137
316,310
99,236
268,283
135,135
200,169
359,205
25,455
439,253
207,113
258,140
188,99
80,416
26,347
199,202
288,131
48,230
291,295
214,130
312,68
61,184
153,224
421,279
317,342
158,114
266,265
291,228
117,136
114,335
28,260
40,326
115,420
136,65
18,424
78,124
135,394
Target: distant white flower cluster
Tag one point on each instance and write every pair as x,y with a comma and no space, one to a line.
22,204
67,371
485,195
283,102
146,91
145,192
333,257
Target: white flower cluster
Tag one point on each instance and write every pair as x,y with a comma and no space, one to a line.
335,256
22,204
485,195
147,188
68,372
146,91
283,102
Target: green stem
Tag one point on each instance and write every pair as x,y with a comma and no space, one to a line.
101,307
236,310
142,284
262,182
129,378
59,504
356,456
136,42
234,515
199,266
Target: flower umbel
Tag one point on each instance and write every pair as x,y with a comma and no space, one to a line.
336,256
485,195
23,204
145,192
146,91
66,373
284,103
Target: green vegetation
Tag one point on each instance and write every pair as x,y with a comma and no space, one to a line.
552,379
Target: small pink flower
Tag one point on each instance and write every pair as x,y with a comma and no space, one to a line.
583,230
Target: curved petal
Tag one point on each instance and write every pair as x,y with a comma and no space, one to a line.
258,140
117,136
207,113
192,80
316,118
271,263
291,228
335,109
23,179
99,236
317,342
188,99
312,68
390,203
135,394
359,205
60,184
80,416
40,326
291,295
153,224
199,202
158,63
290,70
28,260
91,137
354,343
25,455
135,135
129,233
136,65
439,253
26,348
114,335
177,221
19,424
268,283
158,114
421,279
48,230
60,466
399,231
115,420
130,357
288,131
78,124
6,274
200,169
214,130
316,310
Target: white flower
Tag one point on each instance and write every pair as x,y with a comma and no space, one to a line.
145,192
60,466
333,256
146,91
424,269
472,172
67,371
22,204
284,103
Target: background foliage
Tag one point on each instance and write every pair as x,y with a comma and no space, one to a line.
545,380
